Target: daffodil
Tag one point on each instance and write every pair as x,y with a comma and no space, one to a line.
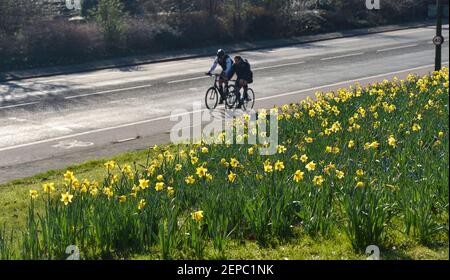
392,142
304,158
68,176
201,171
143,183
48,187
197,216
66,198
311,166
318,180
170,191
34,194
279,166
351,144
159,186
189,180
339,174
281,149
232,177
268,166
178,167
122,198
141,204
110,164
298,176
234,163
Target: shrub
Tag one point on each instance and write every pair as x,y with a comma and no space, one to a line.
111,17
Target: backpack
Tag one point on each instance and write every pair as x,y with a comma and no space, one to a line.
250,71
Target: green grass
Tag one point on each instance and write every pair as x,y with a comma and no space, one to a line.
376,173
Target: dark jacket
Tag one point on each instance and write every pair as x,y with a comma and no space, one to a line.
243,71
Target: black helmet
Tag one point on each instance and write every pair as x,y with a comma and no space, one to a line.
220,53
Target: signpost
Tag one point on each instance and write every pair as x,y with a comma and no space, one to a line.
438,40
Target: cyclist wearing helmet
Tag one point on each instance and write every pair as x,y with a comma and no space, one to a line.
226,63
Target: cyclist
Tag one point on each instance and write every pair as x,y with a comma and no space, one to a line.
226,63
242,69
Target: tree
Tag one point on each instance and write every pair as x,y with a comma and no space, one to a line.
111,16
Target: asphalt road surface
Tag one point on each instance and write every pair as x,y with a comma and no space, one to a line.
52,122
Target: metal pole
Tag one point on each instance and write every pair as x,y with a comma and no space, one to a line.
438,59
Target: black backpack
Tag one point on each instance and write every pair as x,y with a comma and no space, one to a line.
250,70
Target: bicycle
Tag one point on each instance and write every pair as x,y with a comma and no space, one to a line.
212,96
213,93
247,104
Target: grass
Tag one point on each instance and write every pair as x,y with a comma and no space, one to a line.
360,167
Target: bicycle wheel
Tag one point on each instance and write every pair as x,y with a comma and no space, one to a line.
250,101
231,97
211,98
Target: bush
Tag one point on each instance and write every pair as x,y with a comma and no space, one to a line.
111,17
143,35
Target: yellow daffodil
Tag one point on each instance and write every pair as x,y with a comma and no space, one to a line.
170,191
279,166
34,194
178,167
392,142
234,163
122,198
339,174
232,177
318,180
159,186
201,171
189,180
351,144
143,183
68,176
197,216
110,164
48,187
311,166
66,198
304,158
298,176
141,204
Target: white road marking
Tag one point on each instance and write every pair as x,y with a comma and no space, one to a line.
339,41
408,31
19,105
17,119
72,144
341,56
278,66
126,140
283,49
346,82
197,111
398,48
187,80
106,91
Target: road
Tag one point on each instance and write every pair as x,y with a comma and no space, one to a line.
52,122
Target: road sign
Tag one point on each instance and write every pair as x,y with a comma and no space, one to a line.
438,40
